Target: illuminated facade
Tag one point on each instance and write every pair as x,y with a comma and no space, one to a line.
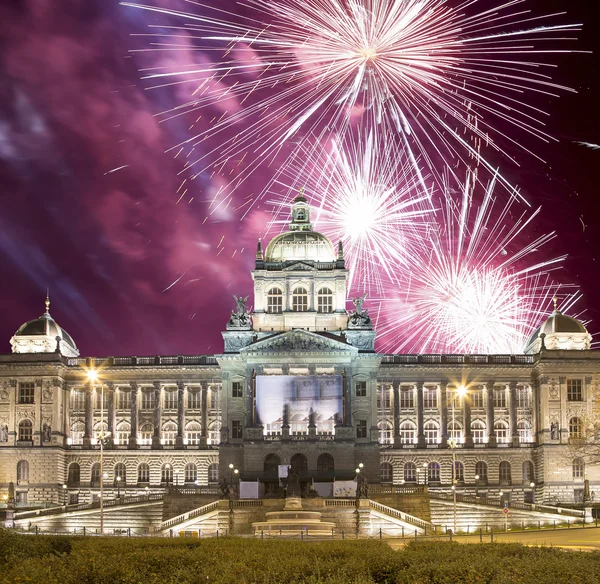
298,383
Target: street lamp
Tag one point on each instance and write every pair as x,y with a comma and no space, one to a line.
426,477
118,479
147,489
532,485
460,391
64,487
476,486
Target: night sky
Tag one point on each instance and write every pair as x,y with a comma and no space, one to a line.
109,244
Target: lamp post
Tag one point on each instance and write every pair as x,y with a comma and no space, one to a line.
460,391
118,479
425,473
532,485
64,488
476,486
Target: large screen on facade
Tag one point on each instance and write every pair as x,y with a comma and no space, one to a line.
297,397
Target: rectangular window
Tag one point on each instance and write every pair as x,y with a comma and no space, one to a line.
170,400
430,397
77,400
237,389
523,397
407,399
361,389
26,392
194,399
384,397
500,398
476,399
124,400
361,429
574,390
101,399
73,498
236,429
148,399
214,398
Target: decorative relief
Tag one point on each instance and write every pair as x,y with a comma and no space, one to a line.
554,390
562,379
47,394
298,340
3,395
25,413
543,380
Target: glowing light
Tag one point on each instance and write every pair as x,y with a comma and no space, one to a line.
92,375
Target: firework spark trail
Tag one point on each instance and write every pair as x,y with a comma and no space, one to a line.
365,193
477,291
444,79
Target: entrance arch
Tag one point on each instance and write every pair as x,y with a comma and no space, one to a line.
300,464
325,467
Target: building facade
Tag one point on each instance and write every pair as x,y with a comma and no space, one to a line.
299,383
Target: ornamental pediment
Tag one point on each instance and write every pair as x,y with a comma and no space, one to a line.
300,267
299,340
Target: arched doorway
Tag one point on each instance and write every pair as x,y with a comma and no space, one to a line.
300,465
271,473
325,467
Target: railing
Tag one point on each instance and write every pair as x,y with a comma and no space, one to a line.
194,490
189,515
385,510
148,360
395,490
247,503
340,503
460,359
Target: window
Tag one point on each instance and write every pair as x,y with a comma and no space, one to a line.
74,475
523,397
73,498
501,430
95,475
478,431
325,464
384,396
124,401
410,472
385,433
431,431
25,431
191,473
22,471
194,399
143,473
77,432
146,433
481,471
120,473
459,472
214,397
575,428
77,400
100,431
275,301
524,431
193,433
361,389
500,398
578,468
476,396
407,433
407,399
122,433
528,472
325,300
169,433
148,399
237,389
430,397
236,429
213,472
26,392
455,432
300,299
101,400
504,473
386,472
361,428
574,390
166,474
433,472
214,433
170,399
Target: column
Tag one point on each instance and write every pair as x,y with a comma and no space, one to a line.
347,397
110,412
396,386
444,412
467,420
180,414
204,405
157,416
513,413
420,422
89,417
134,416
489,386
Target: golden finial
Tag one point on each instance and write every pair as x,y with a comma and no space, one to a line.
555,300
47,303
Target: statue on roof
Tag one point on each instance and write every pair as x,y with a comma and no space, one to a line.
240,316
360,317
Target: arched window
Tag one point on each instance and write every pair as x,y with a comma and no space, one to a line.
214,433
432,433
300,299
410,472
524,430
325,300
407,433
459,472
22,471
275,301
501,430
481,471
77,432
166,474
143,473
325,464
504,473
122,434
455,432
300,464
100,430
146,433
271,466
25,430
120,473
193,433
528,472
95,475
74,475
169,433
213,473
478,431
386,433
191,473
575,428
578,468
386,472
433,472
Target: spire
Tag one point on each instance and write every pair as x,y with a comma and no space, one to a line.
259,251
340,255
555,301
300,214
47,303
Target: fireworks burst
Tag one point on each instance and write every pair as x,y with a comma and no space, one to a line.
447,80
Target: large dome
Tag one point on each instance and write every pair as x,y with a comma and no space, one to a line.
42,335
559,332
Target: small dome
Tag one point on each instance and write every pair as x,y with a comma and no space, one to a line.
560,332
42,335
